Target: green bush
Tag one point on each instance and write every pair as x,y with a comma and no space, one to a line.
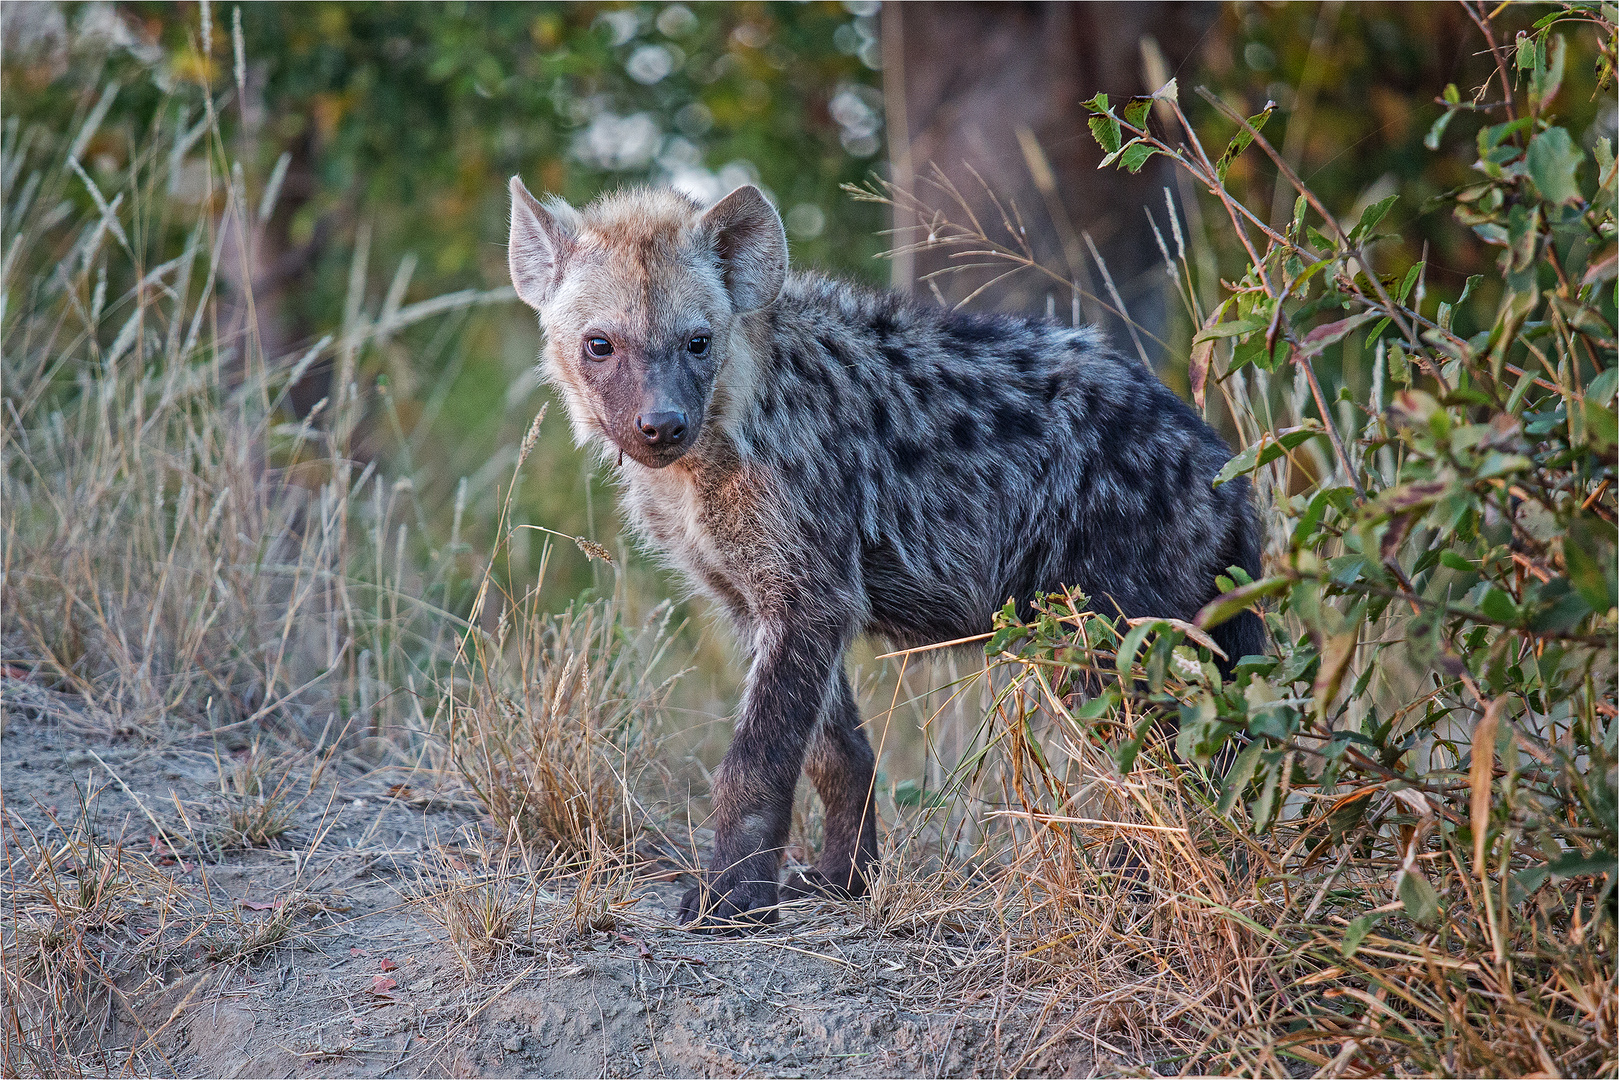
1419,776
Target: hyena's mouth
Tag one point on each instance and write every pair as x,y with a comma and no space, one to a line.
651,455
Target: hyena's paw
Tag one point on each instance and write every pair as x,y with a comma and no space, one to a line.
813,882
745,906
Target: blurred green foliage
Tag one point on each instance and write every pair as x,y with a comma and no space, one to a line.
415,114
1358,88
400,123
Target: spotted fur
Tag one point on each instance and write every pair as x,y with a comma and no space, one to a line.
857,463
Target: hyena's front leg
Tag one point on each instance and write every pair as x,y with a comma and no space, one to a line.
753,787
842,766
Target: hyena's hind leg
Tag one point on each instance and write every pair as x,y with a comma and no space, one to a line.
841,765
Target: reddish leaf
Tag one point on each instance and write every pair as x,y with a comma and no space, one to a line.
355,950
1198,372
388,965
641,947
253,905
381,984
1316,341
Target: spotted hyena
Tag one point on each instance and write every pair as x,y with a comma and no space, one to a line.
824,460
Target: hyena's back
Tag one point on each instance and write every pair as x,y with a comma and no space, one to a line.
981,458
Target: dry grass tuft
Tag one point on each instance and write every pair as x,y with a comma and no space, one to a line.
257,811
92,924
552,720
494,902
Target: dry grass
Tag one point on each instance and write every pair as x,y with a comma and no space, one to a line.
180,556
1127,912
496,901
551,720
554,735
96,933
176,550
258,794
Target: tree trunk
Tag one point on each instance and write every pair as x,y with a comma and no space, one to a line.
986,97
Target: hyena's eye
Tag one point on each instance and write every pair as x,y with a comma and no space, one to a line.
698,346
599,347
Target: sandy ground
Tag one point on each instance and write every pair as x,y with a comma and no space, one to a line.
364,983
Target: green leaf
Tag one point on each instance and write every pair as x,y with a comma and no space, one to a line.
1230,329
1356,932
1553,163
1498,607
1127,753
1523,884
1229,605
1600,389
1317,340
1242,771
1456,562
1411,276
1201,732
1137,154
1421,902
1576,865
1473,282
1525,58
1240,141
1135,112
1106,130
1590,565
1437,131
1369,218
1493,136
1264,807
1131,645
1269,447
1601,426
1005,638
1548,76
910,793
1097,707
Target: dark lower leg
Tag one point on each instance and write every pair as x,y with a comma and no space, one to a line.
842,767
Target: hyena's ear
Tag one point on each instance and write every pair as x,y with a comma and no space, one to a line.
539,240
749,239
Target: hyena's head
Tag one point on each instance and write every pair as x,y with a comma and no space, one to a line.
639,294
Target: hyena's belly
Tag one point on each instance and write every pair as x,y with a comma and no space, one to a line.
912,606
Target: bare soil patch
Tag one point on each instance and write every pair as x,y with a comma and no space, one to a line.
313,954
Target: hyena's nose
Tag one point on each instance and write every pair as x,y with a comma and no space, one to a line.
661,428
